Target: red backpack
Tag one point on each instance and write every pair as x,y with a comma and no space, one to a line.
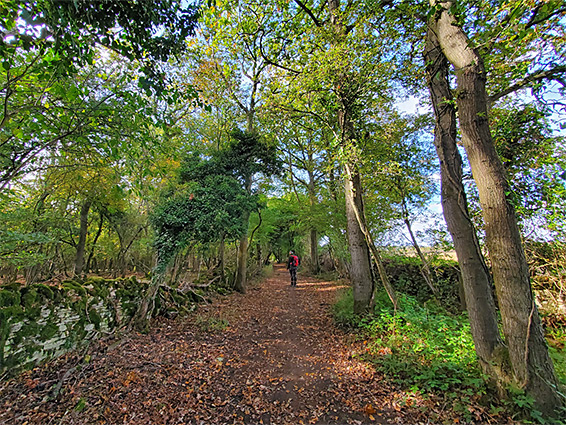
294,261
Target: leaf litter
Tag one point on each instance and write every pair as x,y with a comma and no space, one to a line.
272,356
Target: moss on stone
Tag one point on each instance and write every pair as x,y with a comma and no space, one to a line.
94,318
79,305
100,287
48,331
95,280
9,298
73,304
71,285
46,292
30,297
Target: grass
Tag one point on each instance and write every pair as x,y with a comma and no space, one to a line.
421,346
211,324
427,350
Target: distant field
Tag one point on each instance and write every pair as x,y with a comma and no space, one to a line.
409,251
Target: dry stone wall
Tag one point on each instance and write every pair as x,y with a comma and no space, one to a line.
39,322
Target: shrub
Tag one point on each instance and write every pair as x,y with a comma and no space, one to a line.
423,348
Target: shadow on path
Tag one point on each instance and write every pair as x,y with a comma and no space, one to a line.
272,356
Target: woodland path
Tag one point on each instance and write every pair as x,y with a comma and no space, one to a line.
272,356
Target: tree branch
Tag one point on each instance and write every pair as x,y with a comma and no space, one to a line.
255,229
551,74
308,12
533,21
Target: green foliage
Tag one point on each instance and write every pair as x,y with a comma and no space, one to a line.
343,310
211,324
214,198
246,155
558,354
71,31
534,160
280,228
429,349
398,168
424,348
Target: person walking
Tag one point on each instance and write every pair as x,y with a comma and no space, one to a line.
292,265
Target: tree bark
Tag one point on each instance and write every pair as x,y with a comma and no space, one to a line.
532,367
240,282
221,257
242,259
81,244
98,233
360,218
314,251
476,278
140,321
313,232
360,271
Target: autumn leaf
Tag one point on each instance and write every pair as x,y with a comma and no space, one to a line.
370,410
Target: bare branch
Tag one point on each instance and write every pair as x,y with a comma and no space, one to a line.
309,12
535,20
556,73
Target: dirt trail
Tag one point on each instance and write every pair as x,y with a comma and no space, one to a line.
272,356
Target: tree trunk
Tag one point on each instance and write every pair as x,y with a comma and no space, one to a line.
81,245
360,218
241,272
313,233
98,233
425,268
221,257
532,367
314,251
360,271
476,279
140,321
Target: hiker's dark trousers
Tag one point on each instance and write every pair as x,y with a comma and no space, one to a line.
293,273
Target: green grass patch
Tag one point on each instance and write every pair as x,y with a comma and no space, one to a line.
428,350
211,324
422,348
557,348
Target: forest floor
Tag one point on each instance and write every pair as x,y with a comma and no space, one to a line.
272,356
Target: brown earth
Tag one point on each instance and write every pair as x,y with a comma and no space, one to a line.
272,356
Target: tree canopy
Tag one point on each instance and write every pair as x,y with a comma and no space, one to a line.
154,137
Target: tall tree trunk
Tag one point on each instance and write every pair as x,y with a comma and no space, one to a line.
532,367
241,272
313,233
358,212
314,251
258,251
221,257
476,279
81,244
360,271
98,233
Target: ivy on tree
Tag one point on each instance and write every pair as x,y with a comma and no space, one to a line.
214,196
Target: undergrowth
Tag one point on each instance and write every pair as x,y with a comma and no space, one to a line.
427,350
422,347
